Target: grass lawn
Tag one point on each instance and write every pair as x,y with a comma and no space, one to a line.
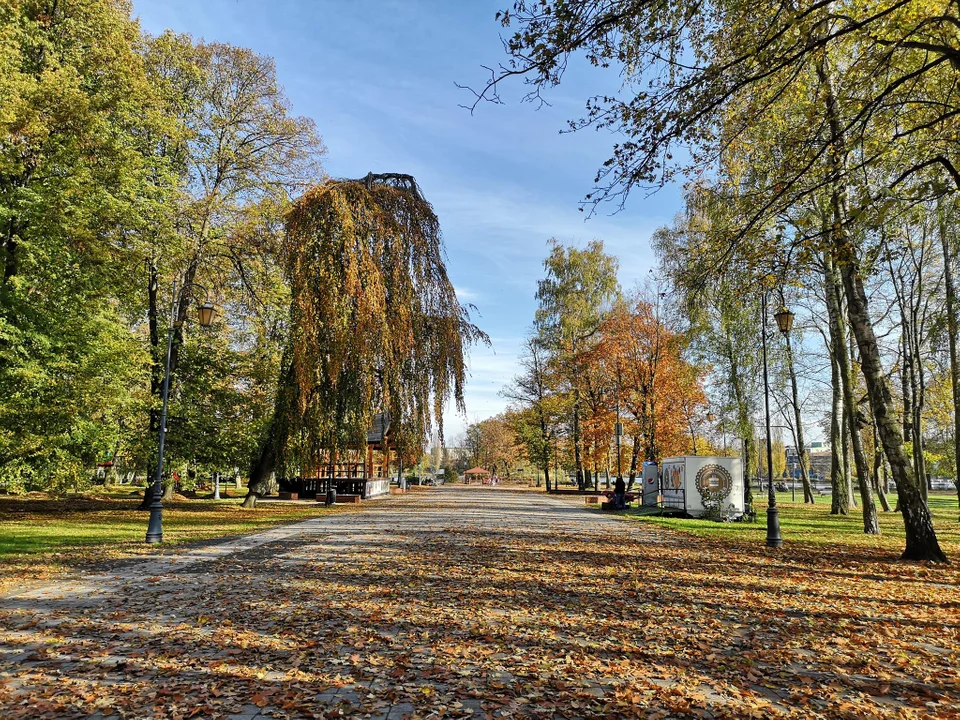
40,536
813,525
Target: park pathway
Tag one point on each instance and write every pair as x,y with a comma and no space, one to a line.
453,602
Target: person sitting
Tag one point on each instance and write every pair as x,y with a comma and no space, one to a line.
619,494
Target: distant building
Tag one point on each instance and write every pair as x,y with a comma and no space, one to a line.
820,464
818,460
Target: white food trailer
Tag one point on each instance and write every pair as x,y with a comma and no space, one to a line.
698,485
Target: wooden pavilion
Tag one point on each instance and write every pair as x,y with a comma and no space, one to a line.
477,473
361,472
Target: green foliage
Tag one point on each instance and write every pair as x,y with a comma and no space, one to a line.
128,162
580,285
76,99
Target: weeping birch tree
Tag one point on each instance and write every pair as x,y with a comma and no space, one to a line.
375,324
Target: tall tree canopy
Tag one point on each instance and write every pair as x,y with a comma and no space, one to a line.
685,63
375,321
74,102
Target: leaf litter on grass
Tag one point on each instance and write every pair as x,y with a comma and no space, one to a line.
468,619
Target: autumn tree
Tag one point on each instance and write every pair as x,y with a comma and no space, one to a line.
538,404
660,389
239,155
579,286
375,325
493,444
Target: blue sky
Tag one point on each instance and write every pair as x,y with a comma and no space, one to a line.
379,78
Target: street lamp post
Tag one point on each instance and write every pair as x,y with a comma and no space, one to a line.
784,319
774,539
618,431
206,312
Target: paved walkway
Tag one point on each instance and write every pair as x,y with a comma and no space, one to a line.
456,602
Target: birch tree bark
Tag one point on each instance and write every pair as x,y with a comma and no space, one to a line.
952,332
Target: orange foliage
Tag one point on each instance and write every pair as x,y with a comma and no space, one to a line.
599,404
660,393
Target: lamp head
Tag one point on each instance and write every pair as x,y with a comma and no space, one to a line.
784,320
206,312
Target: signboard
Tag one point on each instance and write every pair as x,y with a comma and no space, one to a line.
650,478
673,483
702,485
714,483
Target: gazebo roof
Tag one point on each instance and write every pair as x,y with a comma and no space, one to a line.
477,471
380,429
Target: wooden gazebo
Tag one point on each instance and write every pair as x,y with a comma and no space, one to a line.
379,445
476,473
358,472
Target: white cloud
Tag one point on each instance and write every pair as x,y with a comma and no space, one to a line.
466,295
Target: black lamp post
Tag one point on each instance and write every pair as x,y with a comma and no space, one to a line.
784,319
774,539
618,431
155,526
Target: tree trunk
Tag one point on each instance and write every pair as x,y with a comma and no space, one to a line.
169,489
838,495
261,468
634,458
922,541
905,373
847,468
577,459
921,538
917,392
878,468
147,492
871,525
264,463
839,500
745,427
747,471
952,332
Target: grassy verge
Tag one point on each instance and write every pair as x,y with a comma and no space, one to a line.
40,537
813,525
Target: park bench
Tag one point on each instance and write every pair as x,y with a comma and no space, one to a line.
629,497
605,499
348,499
607,495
